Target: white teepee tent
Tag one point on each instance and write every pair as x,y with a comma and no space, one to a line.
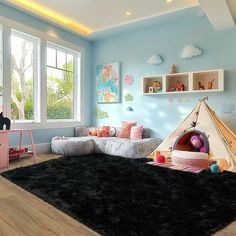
222,140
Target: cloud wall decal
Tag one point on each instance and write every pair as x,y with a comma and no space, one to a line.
191,51
155,60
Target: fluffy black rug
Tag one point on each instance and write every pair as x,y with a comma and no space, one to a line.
117,196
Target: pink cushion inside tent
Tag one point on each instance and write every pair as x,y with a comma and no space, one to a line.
197,159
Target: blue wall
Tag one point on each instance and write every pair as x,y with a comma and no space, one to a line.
132,49
44,135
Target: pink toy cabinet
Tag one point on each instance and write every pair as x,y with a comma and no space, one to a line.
5,153
4,158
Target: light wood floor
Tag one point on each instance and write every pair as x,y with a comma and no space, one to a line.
23,214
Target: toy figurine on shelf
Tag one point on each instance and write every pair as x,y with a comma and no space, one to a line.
210,84
200,86
171,89
156,86
179,86
173,69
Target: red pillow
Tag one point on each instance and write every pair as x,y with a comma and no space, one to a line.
136,132
125,129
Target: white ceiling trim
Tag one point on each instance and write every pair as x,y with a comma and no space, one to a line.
218,13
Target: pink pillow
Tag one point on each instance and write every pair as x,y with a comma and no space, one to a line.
136,132
125,129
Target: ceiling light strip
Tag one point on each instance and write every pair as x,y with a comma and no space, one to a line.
54,16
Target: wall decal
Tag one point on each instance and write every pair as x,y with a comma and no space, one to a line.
191,51
155,60
179,100
170,99
130,109
129,79
129,97
108,83
100,114
229,108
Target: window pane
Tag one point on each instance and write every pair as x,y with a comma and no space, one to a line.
69,62
59,94
23,61
51,57
1,60
61,60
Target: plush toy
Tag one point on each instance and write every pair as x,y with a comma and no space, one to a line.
103,131
92,132
215,168
196,142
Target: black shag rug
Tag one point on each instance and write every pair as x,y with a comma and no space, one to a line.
118,196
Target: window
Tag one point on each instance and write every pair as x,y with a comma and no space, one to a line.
40,84
24,77
62,83
1,71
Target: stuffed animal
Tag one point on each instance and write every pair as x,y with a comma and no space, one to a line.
197,143
103,131
92,132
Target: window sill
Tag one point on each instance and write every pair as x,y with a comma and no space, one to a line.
48,125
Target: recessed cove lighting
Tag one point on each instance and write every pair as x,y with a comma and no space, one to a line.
128,13
43,11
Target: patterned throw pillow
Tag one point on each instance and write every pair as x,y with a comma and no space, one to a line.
136,132
125,129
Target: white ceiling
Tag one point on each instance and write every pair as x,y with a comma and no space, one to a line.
100,15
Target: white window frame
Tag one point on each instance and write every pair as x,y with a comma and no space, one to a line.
1,63
51,37
36,73
76,78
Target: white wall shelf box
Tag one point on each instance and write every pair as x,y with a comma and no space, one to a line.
189,82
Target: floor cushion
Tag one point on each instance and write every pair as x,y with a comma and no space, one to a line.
72,146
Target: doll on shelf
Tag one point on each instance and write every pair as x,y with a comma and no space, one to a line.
210,84
173,69
200,86
179,86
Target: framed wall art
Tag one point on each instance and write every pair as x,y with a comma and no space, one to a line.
108,82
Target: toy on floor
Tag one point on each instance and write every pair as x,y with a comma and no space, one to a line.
215,168
223,164
160,159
